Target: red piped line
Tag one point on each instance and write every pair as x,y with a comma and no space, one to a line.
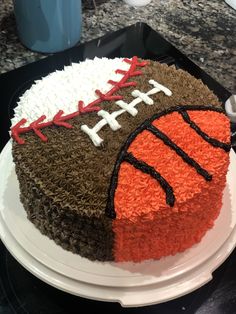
136,73
90,108
106,96
141,64
118,71
59,119
36,126
16,130
122,85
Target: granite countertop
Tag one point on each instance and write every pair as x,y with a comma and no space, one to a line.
203,30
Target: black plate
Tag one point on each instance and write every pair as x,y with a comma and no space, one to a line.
21,292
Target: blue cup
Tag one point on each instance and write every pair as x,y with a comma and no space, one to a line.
48,25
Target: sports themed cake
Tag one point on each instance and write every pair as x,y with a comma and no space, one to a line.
121,159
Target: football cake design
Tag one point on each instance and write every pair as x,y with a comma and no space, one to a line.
131,166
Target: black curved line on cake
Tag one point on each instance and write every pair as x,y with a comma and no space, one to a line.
210,140
190,161
110,210
145,168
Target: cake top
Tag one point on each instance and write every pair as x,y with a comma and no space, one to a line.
75,125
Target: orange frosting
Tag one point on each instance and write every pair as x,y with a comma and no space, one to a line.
146,227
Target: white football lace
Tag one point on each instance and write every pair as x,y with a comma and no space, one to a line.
110,119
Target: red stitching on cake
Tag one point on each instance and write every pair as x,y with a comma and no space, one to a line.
36,126
122,85
141,64
59,119
16,130
87,109
118,71
107,97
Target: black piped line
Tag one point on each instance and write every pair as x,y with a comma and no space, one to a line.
214,142
145,168
190,161
110,211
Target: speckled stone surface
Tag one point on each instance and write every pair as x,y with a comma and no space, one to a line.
203,30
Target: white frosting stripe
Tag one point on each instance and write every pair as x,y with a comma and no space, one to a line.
145,98
96,139
161,88
113,124
131,110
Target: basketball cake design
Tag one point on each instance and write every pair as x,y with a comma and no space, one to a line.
121,160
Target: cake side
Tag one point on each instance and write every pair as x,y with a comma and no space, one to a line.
89,237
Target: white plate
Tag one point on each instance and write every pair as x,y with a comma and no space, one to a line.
135,296
131,284
230,107
232,3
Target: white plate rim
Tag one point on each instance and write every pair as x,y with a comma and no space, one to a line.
127,297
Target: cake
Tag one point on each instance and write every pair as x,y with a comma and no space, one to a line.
121,159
